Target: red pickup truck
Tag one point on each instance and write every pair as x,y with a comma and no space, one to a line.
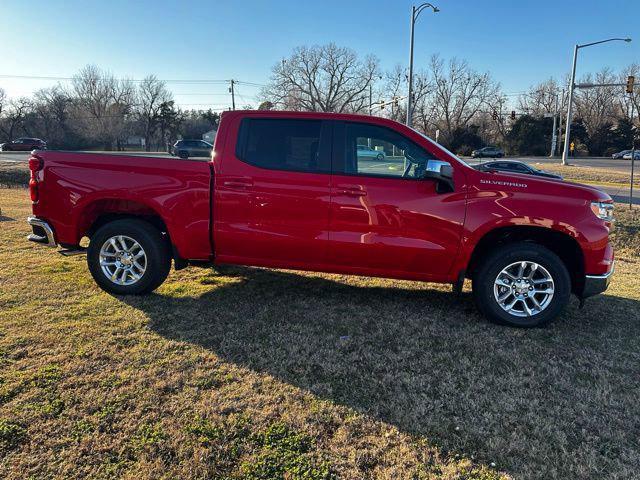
334,193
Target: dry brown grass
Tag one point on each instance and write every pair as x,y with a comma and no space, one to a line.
251,373
14,175
579,173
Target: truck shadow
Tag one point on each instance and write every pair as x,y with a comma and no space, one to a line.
424,360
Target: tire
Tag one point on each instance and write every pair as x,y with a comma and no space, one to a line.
183,154
155,247
380,157
510,257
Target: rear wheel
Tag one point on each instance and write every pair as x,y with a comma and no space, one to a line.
521,285
128,257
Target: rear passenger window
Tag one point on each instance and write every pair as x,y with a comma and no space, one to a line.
280,144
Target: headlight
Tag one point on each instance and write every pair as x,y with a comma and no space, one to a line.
603,210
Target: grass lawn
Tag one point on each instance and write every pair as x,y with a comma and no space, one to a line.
251,373
578,173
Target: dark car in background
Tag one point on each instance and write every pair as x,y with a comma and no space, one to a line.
513,166
488,152
24,144
191,148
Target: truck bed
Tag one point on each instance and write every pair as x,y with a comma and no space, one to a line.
75,189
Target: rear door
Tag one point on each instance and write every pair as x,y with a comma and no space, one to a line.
386,219
272,192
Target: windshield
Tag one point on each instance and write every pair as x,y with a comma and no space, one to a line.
439,146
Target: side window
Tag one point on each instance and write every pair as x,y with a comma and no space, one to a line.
380,151
280,144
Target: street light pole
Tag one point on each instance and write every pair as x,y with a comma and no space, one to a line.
409,98
415,13
567,132
567,135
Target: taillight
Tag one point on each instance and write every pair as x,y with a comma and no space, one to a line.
36,164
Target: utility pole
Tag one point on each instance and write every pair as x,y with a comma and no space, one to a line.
633,156
554,132
233,95
415,13
370,99
630,81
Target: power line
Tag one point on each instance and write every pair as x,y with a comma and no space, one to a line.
183,80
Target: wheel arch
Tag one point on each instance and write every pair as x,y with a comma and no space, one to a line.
102,211
562,244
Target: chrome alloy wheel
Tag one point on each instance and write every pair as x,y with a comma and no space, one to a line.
123,260
523,289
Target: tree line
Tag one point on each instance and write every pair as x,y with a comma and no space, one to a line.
98,110
462,107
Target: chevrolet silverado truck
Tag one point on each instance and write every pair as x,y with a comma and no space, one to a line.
290,190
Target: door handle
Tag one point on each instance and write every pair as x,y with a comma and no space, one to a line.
238,183
352,192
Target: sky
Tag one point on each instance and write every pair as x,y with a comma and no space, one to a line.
520,42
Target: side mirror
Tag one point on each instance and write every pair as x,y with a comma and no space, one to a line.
442,173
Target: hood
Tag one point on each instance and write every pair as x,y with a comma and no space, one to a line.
531,184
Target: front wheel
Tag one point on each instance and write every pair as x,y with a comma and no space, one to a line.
128,257
521,285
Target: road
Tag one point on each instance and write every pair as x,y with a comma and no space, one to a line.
619,194
23,157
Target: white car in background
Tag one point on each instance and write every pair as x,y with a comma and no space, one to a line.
636,155
367,152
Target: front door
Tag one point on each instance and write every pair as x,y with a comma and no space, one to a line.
272,193
387,219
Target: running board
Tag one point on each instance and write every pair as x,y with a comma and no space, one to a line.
71,253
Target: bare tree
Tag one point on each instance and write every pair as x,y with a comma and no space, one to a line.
151,96
540,99
323,78
596,106
14,117
623,99
396,87
51,115
3,100
460,93
102,104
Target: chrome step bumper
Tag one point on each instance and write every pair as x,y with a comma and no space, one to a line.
42,232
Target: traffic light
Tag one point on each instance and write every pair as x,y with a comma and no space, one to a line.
630,80
513,114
